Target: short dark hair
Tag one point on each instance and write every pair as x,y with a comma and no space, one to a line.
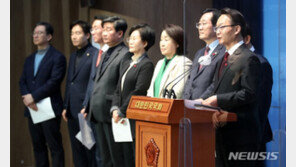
146,32
84,25
48,27
236,18
100,17
119,23
216,14
248,31
177,34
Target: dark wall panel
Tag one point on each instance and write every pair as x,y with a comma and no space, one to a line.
157,13
26,13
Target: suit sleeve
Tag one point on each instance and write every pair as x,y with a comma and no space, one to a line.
88,93
90,83
66,97
187,87
249,85
53,83
116,97
142,85
22,82
207,93
266,86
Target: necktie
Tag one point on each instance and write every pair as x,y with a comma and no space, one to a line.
99,57
206,53
224,63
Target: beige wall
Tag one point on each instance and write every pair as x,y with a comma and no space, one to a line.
60,13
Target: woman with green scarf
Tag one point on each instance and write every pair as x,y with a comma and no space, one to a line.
172,71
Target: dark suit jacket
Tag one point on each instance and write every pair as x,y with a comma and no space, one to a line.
105,84
265,87
90,85
199,80
137,82
47,81
237,92
77,80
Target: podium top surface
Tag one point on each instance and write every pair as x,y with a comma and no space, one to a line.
168,111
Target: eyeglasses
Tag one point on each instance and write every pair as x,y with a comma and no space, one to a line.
38,33
129,39
93,30
198,25
221,27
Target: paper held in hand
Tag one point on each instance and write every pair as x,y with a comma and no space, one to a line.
122,130
85,135
44,112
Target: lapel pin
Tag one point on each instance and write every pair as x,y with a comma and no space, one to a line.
135,65
87,54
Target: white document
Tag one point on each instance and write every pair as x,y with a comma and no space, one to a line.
191,104
122,131
85,135
44,112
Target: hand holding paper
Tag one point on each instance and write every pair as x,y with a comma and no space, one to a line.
122,130
44,111
85,135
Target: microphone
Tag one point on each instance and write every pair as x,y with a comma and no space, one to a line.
171,92
166,92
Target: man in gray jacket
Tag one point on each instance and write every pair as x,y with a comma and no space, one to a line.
105,82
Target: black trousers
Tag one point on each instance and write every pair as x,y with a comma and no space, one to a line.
113,154
82,157
43,134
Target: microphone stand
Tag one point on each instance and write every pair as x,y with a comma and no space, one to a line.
171,92
166,92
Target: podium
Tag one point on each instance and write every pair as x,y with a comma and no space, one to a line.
157,132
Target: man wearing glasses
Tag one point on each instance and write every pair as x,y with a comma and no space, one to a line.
76,84
206,59
235,90
42,76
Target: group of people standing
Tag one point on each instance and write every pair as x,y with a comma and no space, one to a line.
100,83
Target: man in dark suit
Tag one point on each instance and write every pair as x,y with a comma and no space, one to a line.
96,32
235,90
105,83
77,80
42,76
264,96
201,75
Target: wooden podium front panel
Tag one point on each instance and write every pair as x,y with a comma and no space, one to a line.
166,141
203,144
156,137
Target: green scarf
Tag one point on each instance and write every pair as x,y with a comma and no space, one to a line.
160,75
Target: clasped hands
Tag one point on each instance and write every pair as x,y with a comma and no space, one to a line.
28,100
219,118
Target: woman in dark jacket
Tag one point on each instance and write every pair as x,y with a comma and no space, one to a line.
136,72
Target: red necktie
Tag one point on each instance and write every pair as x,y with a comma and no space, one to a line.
224,63
99,57
206,53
